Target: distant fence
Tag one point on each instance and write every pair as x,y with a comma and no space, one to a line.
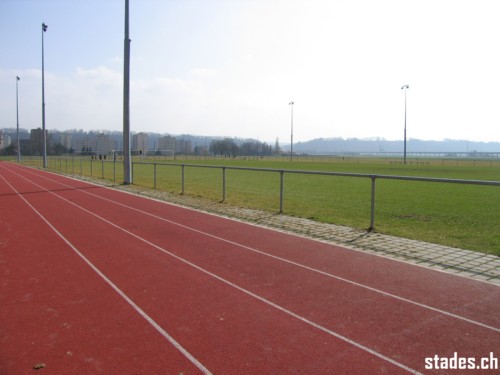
113,170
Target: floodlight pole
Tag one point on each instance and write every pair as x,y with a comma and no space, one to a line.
291,132
405,87
44,137
127,167
17,118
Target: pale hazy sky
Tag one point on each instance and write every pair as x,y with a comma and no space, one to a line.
230,67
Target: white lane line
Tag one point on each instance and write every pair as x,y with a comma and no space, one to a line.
141,312
352,282
243,290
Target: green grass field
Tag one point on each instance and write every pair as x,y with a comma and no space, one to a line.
465,216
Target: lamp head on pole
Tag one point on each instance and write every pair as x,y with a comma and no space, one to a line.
405,87
291,103
44,27
17,77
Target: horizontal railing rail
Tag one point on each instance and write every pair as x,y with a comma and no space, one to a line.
372,177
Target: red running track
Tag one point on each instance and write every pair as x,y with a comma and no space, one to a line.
97,281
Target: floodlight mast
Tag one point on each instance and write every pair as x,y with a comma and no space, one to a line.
291,132
17,118
127,168
44,137
405,87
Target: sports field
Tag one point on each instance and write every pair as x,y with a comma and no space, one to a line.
98,281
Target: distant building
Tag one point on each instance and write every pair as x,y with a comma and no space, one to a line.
36,141
5,140
104,144
140,142
166,144
81,145
183,147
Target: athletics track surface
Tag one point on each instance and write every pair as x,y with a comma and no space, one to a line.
97,281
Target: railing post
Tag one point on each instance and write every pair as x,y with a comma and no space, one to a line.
182,178
154,177
91,167
102,169
372,211
281,191
114,169
223,184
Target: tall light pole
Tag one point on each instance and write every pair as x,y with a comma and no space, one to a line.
127,168
44,137
405,87
291,133
17,117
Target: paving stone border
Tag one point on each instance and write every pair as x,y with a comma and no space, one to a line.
454,260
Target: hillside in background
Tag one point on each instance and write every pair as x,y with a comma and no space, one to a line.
355,145
319,146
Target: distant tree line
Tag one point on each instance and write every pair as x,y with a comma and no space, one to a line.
35,148
229,147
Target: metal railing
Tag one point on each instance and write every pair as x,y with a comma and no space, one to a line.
97,168
372,177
